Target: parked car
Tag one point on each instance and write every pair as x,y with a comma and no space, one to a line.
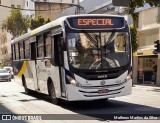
10,70
5,75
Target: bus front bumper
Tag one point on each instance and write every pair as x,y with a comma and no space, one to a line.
92,93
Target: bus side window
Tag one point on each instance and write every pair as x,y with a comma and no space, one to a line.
57,50
13,52
47,44
40,46
26,49
17,51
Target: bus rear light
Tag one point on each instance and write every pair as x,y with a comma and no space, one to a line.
73,82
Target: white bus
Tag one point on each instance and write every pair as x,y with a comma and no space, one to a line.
76,58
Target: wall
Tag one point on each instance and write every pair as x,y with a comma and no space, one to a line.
149,19
53,9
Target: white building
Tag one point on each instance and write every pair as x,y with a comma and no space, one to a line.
29,6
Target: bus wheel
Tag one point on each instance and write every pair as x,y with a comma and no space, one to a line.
27,91
52,91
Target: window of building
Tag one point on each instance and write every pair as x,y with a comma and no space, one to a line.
27,49
27,3
5,51
47,45
12,6
19,6
21,47
40,47
147,62
73,1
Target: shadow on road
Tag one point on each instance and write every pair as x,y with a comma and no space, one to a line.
156,90
6,114
100,109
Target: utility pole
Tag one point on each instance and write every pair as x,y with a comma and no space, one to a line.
79,8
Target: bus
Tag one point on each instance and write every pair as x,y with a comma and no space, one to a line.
76,58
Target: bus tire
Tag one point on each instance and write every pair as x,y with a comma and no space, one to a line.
27,91
52,93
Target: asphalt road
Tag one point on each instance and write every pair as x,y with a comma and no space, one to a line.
143,100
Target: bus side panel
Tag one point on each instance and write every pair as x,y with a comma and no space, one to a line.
31,77
25,68
43,73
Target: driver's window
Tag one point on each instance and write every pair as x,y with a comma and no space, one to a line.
120,44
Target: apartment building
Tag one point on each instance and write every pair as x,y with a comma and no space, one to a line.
52,7
144,58
5,37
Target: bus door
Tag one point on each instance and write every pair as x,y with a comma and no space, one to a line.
32,64
58,54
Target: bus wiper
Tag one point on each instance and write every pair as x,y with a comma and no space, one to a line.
108,42
91,39
110,38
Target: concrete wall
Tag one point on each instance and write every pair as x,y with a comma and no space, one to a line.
53,9
149,18
148,37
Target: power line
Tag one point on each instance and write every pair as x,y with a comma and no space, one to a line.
34,9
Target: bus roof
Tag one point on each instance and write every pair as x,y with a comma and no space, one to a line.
57,22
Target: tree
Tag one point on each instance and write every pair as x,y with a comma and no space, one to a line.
6,61
37,22
16,23
133,38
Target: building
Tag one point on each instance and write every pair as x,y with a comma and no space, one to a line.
49,5
29,6
144,59
97,7
52,7
5,37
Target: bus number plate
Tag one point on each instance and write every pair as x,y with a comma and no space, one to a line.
102,91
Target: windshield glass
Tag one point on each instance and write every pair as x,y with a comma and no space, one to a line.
8,69
101,50
3,71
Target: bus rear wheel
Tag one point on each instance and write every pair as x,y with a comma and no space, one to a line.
52,92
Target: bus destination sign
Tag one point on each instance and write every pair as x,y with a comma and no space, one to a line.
96,22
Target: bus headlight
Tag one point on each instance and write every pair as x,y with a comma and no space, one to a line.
129,77
73,82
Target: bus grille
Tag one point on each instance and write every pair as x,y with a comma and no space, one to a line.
94,93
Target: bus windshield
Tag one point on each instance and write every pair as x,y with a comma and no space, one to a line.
98,50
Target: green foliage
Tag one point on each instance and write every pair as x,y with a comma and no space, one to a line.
37,22
133,38
16,23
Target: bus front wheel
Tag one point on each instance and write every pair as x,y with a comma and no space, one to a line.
52,91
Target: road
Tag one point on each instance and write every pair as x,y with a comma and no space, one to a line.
143,100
